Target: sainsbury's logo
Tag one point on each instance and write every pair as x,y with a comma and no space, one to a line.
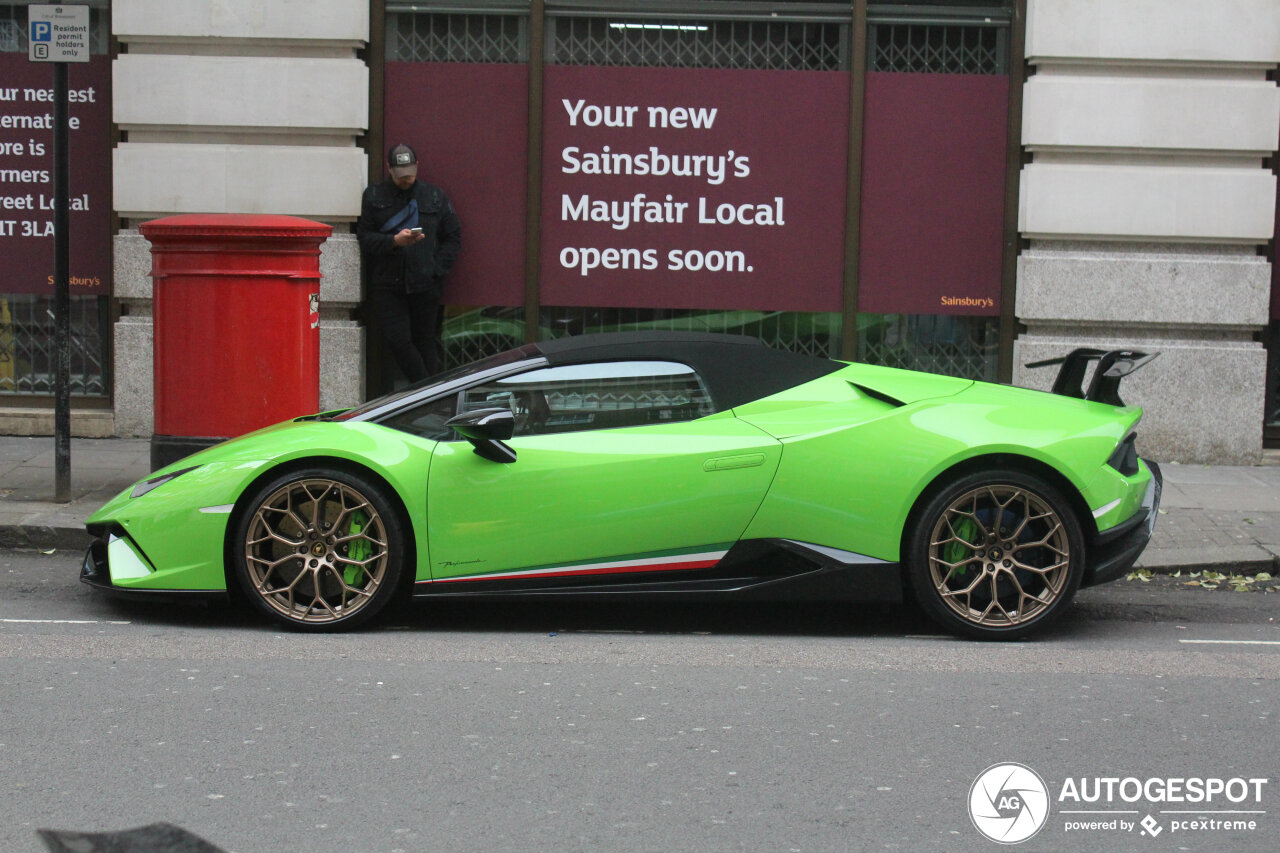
968,302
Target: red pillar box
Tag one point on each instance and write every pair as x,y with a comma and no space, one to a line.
237,339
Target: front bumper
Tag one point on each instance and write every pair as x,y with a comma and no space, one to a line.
1113,553
110,557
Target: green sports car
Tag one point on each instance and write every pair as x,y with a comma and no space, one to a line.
664,465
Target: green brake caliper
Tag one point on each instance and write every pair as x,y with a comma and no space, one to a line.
357,549
962,548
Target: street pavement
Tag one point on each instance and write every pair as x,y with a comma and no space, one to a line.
1221,518
488,727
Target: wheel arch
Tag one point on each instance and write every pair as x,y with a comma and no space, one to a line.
336,463
990,461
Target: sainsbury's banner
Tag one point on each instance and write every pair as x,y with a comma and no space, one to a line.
469,123
933,193
694,188
26,174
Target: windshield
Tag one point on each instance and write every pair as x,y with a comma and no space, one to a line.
502,358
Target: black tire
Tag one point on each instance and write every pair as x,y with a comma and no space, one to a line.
996,555
319,550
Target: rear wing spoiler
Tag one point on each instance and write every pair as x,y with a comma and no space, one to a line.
1104,387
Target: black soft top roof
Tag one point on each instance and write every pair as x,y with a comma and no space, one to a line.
737,369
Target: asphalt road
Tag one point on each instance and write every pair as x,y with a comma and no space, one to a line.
588,728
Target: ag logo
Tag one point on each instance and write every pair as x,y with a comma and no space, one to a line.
1008,803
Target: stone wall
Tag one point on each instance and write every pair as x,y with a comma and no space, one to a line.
238,106
1146,203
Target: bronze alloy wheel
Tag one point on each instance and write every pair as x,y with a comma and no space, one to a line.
996,555
999,556
319,550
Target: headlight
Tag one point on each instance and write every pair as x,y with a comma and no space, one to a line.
155,482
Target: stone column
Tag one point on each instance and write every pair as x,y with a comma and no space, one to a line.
341,337
238,106
1146,204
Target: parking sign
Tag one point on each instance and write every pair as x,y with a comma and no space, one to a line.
58,33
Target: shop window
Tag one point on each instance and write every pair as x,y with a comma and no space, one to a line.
953,345
471,333
810,333
27,356
954,37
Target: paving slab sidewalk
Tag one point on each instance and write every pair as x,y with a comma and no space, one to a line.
100,469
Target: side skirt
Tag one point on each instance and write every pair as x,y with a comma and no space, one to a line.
762,570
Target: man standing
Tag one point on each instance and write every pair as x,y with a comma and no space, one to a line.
411,237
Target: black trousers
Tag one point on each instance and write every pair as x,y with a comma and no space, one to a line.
410,324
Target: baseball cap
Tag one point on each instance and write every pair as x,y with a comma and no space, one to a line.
403,161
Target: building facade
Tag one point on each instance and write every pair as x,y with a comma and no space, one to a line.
960,186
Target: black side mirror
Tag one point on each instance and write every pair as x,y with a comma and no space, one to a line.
487,429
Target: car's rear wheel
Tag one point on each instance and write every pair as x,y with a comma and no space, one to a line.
319,550
996,555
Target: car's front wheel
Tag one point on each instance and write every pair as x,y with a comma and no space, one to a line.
996,555
319,550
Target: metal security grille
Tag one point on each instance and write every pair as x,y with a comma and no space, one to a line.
13,27
473,347
938,48
453,37
471,333
956,346
802,332
27,357
692,43
474,333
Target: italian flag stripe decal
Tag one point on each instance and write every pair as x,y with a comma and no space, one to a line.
668,563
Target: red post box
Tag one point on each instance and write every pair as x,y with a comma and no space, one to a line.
237,339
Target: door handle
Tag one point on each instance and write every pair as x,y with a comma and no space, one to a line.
728,463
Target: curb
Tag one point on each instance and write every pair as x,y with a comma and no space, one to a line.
1244,559
37,537
1226,567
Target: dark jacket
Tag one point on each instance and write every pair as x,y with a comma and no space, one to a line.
422,266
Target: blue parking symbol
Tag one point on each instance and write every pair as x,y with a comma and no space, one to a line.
41,31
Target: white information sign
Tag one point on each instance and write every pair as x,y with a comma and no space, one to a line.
58,33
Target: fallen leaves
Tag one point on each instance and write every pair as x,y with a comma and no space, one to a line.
1259,582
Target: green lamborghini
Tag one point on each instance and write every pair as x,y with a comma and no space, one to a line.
663,465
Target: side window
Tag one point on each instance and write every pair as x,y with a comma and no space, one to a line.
428,419
601,395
